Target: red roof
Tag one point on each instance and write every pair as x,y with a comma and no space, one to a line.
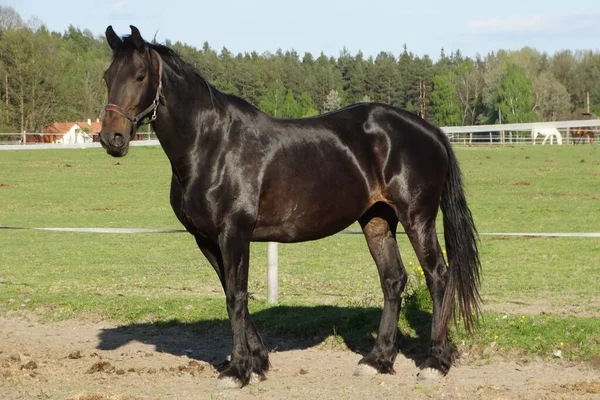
94,128
64,127
58,127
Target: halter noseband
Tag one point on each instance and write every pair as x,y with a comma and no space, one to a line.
151,108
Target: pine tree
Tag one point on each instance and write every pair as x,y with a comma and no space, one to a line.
444,102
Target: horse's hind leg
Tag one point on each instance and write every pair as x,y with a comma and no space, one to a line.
379,227
420,227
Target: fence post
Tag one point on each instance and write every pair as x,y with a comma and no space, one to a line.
272,269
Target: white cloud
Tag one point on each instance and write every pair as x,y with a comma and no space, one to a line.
119,5
506,25
539,24
121,10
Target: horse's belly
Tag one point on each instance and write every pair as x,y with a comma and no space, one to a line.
309,204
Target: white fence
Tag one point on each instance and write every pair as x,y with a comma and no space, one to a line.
17,141
505,134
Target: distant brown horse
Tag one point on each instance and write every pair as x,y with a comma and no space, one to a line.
581,133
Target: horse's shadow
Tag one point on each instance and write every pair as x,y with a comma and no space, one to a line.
283,328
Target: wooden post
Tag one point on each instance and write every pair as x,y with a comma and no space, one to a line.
588,101
272,272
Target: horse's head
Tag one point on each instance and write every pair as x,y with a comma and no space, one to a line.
134,87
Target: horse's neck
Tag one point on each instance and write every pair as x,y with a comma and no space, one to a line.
178,121
168,124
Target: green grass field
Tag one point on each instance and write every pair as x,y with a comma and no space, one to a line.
551,286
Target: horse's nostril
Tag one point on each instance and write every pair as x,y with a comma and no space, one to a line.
118,140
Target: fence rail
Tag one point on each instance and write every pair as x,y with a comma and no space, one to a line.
505,134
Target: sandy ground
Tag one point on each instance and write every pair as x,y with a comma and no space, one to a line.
89,360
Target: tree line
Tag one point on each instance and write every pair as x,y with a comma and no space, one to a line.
57,76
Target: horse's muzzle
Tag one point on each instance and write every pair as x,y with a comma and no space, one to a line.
116,146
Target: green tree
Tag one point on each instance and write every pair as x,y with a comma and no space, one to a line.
444,102
353,72
468,79
306,105
272,101
33,68
515,96
386,79
327,78
290,108
248,81
552,101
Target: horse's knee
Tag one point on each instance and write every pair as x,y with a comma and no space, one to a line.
394,286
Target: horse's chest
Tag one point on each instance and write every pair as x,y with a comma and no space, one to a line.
191,209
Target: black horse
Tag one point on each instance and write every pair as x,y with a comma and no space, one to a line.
240,175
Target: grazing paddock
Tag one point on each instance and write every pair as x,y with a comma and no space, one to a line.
541,295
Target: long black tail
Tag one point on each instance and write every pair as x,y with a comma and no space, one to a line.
461,240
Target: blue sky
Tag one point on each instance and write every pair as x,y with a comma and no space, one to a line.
426,26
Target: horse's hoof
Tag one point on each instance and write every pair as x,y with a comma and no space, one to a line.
228,382
255,378
365,370
429,374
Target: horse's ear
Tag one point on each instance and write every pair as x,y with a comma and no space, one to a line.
114,41
136,37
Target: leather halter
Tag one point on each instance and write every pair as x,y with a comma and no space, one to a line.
151,108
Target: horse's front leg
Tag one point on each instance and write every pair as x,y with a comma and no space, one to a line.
249,356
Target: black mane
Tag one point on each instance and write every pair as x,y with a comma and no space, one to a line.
178,65
168,55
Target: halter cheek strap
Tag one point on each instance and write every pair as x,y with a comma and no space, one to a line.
135,120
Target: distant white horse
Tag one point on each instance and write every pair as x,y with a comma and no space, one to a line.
547,133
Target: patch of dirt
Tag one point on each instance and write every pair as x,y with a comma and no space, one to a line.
98,396
87,360
591,387
521,183
543,171
588,308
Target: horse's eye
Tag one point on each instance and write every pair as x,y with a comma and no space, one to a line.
140,77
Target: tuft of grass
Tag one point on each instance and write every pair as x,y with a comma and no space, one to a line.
576,337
